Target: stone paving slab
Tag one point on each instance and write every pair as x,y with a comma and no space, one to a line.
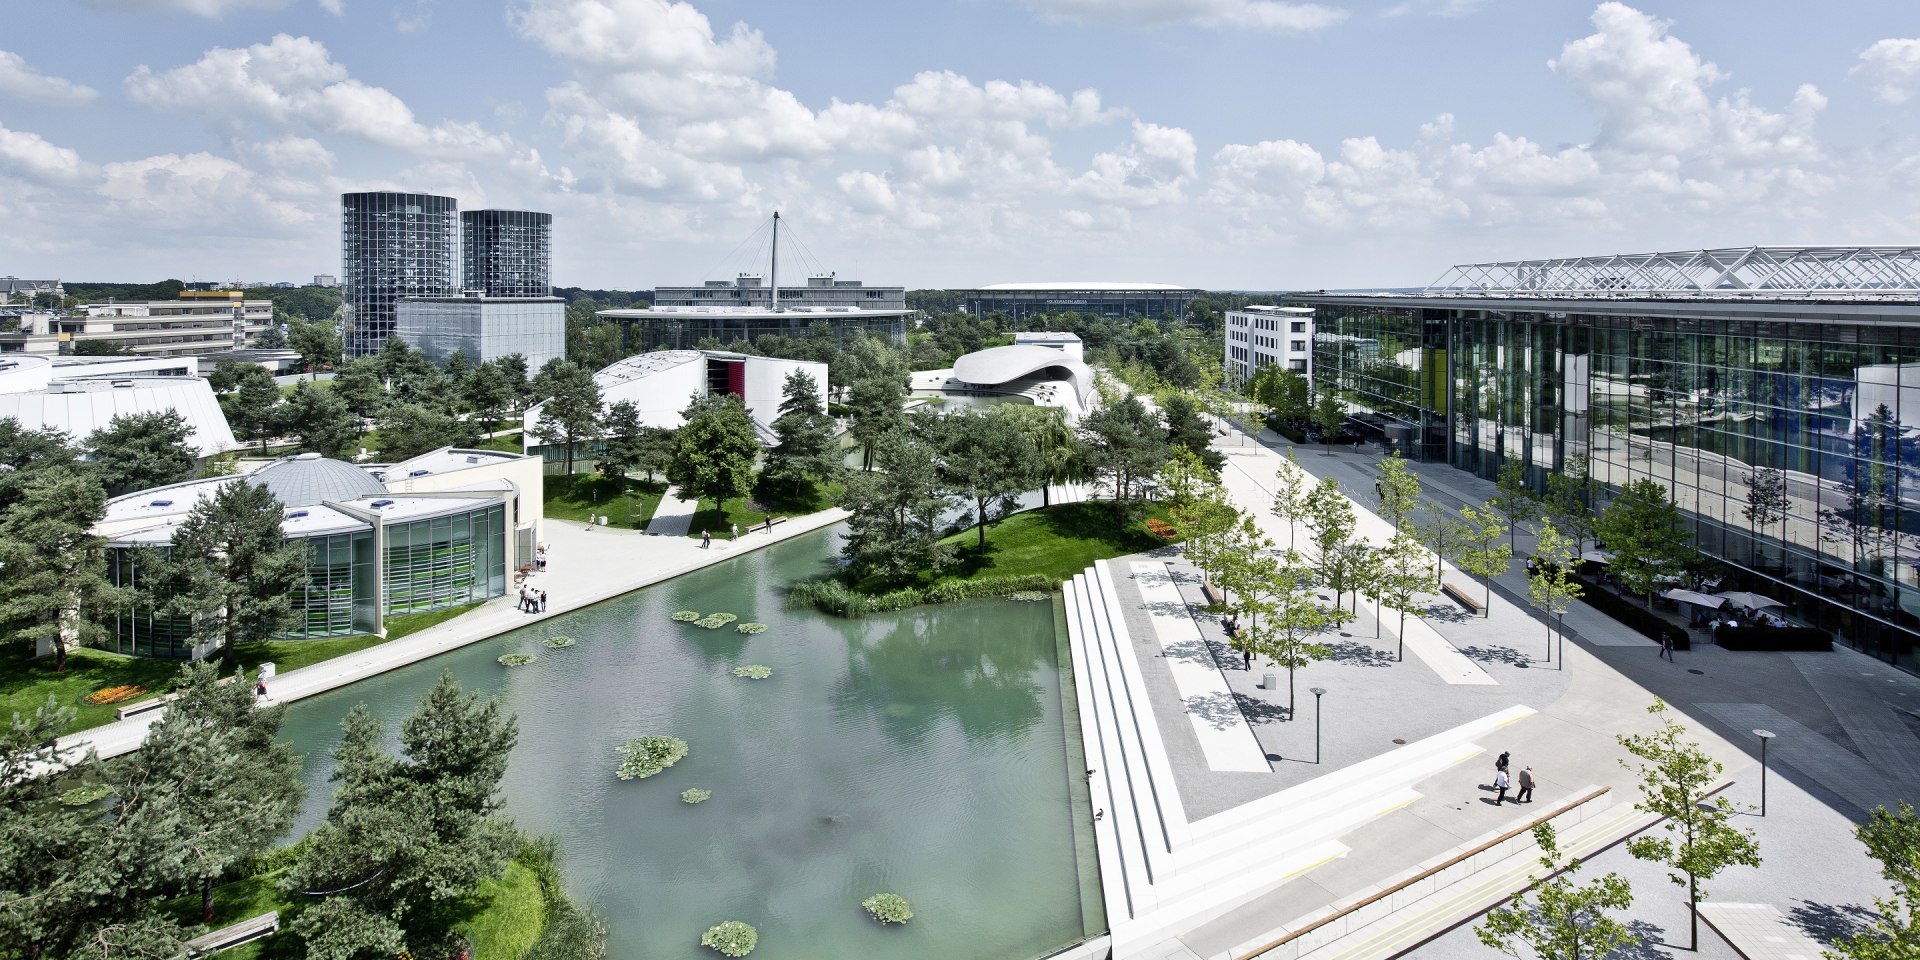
673,517
1225,739
1873,722
1759,932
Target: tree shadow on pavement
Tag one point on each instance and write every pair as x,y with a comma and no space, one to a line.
1360,654
1494,654
1257,710
1652,938
1831,923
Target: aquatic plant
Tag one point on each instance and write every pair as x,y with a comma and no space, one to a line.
686,616
1029,596
753,671
888,907
695,795
556,643
731,938
517,659
646,756
714,621
751,627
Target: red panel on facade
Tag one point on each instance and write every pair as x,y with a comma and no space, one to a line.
737,380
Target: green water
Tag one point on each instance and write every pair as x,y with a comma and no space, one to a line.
924,753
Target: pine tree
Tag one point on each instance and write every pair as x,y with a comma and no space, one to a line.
322,421
987,459
233,571
571,412
893,532
55,585
804,450
136,451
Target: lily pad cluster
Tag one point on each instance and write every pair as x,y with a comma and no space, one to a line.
753,671
645,756
731,938
714,621
695,795
751,627
516,659
888,907
557,643
686,616
85,794
1030,596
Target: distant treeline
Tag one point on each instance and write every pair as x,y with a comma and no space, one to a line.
606,299
312,304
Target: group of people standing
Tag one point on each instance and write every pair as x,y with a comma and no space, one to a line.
532,601
1501,783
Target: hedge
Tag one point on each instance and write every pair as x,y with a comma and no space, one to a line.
1773,638
1647,623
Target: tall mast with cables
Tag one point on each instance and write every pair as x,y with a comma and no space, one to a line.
773,268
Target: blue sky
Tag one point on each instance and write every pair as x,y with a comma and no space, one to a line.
1250,144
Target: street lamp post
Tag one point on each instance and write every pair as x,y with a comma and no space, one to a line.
1764,736
1317,692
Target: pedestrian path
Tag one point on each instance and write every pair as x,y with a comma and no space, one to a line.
673,517
1253,495
1759,932
1797,746
1876,730
1225,738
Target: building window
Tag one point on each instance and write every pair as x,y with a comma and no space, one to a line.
1299,326
1299,346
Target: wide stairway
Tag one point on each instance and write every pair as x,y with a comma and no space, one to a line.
1162,875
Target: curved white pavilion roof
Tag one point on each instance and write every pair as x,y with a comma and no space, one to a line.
998,365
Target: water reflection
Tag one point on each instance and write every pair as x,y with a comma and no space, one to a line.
961,663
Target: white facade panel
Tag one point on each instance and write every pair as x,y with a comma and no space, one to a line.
1259,336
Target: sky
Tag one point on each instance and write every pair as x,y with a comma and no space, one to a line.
1222,144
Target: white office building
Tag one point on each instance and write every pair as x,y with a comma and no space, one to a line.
197,324
1261,335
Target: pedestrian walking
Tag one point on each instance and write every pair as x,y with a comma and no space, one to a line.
260,690
1525,793
736,532
1500,765
1666,647
706,539
543,601
1500,784
769,523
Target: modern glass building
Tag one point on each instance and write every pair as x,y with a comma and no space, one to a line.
507,253
691,328
374,549
486,328
1100,299
393,246
1736,378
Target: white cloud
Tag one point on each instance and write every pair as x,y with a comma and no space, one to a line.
1652,93
1434,8
1892,67
413,18
29,155
19,79
205,8
1154,169
294,81
1257,14
640,35
289,154
336,7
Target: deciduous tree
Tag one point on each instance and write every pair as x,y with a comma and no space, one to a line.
1403,576
1481,552
714,450
1515,501
1551,588
1062,454
1893,839
1399,491
1561,918
1647,535
893,533
1329,413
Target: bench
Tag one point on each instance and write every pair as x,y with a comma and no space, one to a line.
1462,597
246,931
1213,594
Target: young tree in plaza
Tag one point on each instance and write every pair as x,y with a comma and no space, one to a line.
1444,535
1647,535
322,421
1346,570
135,451
53,582
987,459
232,569
407,838
714,450
1199,511
1399,491
1515,502
1253,579
1892,838
572,409
1550,586
1297,618
1329,413
1330,521
1700,840
893,532
1403,576
1571,492
1560,918
805,450
1481,552
1289,495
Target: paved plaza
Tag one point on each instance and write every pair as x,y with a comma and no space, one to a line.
1404,755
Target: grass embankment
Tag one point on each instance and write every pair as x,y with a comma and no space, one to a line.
25,683
627,503
750,512
1031,551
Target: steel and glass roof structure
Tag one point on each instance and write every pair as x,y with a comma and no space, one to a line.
1730,272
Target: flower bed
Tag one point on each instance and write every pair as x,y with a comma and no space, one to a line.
115,694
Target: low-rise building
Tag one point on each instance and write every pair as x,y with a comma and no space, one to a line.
200,322
751,290
444,529
486,328
1066,343
1116,300
16,290
1259,336
43,393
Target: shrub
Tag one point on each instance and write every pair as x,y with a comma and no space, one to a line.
1029,596
888,907
517,659
753,671
686,616
569,932
647,756
85,794
731,938
832,596
714,621
695,795
556,643
750,627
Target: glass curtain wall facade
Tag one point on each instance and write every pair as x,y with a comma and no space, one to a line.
507,253
1790,435
393,246
338,597
136,629
445,561
1111,303
716,331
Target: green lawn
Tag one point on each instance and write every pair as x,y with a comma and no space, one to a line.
512,912
25,683
750,512
629,503
505,443
1056,542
